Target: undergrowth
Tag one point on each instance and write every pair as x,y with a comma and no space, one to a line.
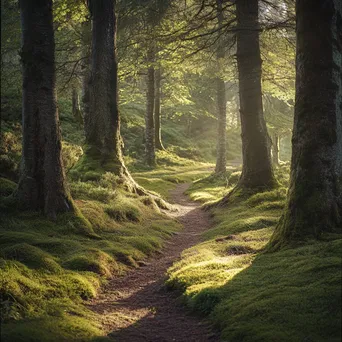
49,268
250,295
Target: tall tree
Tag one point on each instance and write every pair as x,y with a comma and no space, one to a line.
275,148
42,183
157,110
76,107
221,98
149,116
85,65
257,168
314,203
102,121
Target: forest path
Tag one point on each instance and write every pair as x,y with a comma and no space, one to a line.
137,307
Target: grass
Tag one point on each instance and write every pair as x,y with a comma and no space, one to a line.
250,295
49,268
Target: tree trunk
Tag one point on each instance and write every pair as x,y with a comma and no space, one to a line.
314,204
189,126
42,183
157,111
85,67
149,117
221,99
257,169
102,124
76,108
275,149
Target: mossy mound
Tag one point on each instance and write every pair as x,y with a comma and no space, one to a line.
251,295
31,256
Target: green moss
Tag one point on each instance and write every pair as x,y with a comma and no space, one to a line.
163,179
6,186
71,153
123,209
88,167
56,329
31,256
268,196
250,295
234,178
92,260
91,166
49,267
294,294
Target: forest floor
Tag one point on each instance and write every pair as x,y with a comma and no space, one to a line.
138,306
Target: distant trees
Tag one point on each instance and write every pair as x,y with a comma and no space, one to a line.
102,121
314,203
279,116
150,146
221,97
157,109
42,185
257,169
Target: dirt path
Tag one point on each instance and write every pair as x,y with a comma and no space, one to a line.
137,307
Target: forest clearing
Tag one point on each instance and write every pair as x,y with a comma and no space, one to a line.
171,171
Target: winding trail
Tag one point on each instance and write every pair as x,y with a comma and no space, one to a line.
137,307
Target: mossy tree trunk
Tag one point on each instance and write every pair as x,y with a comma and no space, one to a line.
42,185
314,203
257,169
157,110
102,123
149,116
221,98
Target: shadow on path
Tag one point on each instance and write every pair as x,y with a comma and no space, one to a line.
137,307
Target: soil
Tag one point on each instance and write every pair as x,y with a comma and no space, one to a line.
137,307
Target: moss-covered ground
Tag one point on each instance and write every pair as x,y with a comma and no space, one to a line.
251,295
49,268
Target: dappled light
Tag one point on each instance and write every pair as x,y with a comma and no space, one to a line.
170,171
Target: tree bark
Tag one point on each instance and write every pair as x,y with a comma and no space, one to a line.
221,99
76,108
157,111
257,169
42,185
102,124
275,149
314,203
85,67
149,117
